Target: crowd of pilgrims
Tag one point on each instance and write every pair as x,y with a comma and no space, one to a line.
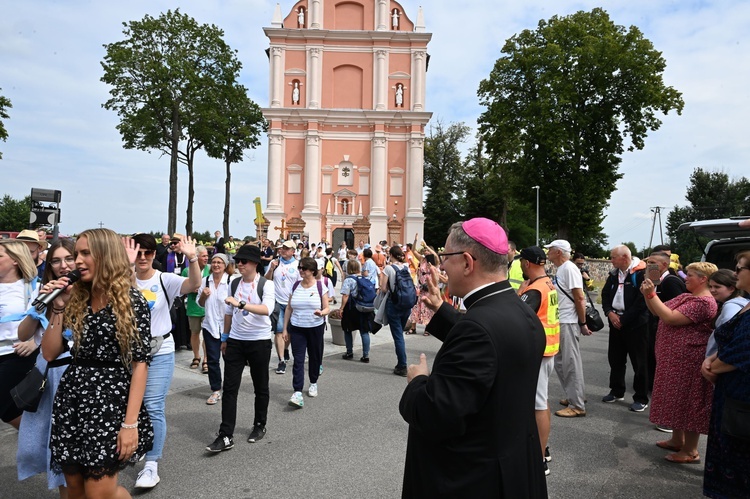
107,343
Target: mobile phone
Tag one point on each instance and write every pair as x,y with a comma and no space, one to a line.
652,272
430,258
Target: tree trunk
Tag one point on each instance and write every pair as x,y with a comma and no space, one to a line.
191,189
226,198
172,215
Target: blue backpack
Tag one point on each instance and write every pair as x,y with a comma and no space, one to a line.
363,295
403,294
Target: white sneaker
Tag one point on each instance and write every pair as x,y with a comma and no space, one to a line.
147,479
313,390
297,400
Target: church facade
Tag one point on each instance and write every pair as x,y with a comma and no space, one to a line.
346,121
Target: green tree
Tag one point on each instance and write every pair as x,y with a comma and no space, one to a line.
14,213
444,177
163,76
560,103
4,106
234,126
710,195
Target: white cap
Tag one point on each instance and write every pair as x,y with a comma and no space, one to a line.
559,243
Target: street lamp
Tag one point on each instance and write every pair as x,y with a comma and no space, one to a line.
537,213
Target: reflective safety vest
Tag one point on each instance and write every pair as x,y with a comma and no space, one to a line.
515,274
548,313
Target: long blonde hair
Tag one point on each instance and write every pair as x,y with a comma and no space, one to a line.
113,278
19,253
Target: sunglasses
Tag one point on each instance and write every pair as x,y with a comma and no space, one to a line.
145,253
738,269
243,261
304,268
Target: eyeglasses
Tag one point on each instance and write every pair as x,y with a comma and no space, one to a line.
739,269
443,256
69,260
145,253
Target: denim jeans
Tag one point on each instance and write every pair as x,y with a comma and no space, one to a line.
397,320
310,340
364,332
155,398
238,354
212,347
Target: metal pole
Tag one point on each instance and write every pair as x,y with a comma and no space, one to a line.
537,215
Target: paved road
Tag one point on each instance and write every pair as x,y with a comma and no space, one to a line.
350,441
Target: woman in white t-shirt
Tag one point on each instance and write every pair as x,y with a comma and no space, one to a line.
211,295
160,290
17,273
304,324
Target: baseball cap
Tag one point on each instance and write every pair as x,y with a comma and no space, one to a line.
534,254
559,243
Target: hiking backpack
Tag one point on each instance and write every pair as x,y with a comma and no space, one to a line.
328,268
403,294
363,295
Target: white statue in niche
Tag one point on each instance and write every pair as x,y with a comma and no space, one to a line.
301,17
344,207
295,93
399,95
394,19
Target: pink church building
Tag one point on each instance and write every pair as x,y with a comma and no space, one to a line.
346,121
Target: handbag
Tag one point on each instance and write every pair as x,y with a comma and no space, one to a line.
593,320
27,394
735,420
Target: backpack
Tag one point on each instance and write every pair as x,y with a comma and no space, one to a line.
403,294
236,283
320,290
363,295
328,268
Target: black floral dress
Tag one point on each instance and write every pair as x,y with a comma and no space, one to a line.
91,402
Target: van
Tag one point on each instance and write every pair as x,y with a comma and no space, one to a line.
726,236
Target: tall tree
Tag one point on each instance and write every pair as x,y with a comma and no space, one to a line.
560,103
710,195
4,106
233,127
444,179
162,76
14,213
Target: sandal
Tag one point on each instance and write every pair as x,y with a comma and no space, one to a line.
425,333
196,362
214,398
676,458
664,444
204,370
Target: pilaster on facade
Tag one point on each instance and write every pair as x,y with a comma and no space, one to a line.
380,83
381,15
316,14
275,172
277,76
419,71
314,80
312,174
415,176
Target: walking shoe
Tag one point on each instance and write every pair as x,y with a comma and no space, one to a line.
313,390
147,479
547,457
320,371
286,354
546,468
366,360
571,412
257,434
297,400
400,371
221,443
664,429
282,368
347,356
638,407
609,398
214,398
566,402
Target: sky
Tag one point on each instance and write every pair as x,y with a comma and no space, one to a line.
60,137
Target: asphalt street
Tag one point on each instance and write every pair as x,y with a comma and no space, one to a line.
350,441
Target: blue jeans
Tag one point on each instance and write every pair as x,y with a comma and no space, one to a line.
212,347
364,332
157,385
397,320
277,317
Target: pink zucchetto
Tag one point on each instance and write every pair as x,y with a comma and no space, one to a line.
488,233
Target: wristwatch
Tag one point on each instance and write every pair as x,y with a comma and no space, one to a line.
581,323
241,305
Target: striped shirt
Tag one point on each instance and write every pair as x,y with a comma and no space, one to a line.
305,301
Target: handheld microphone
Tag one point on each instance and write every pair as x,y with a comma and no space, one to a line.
43,300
